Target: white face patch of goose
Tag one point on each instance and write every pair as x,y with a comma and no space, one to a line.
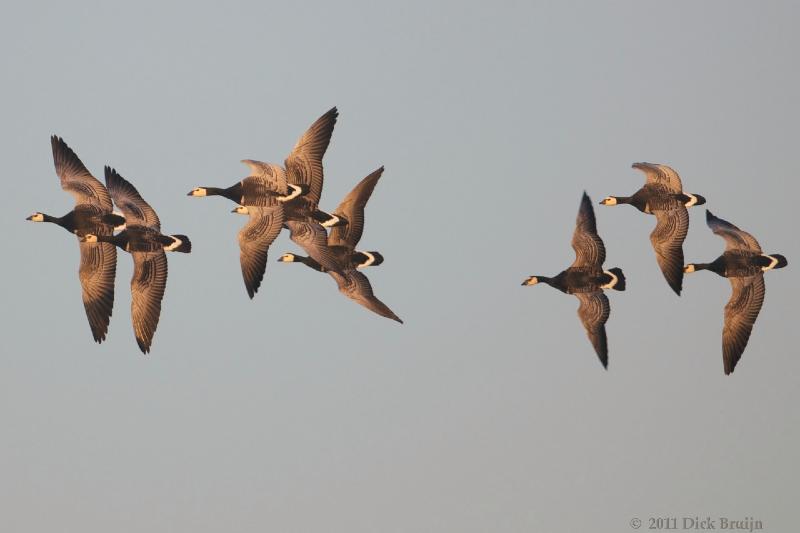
610,284
692,200
200,191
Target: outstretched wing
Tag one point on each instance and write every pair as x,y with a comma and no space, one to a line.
356,286
352,209
667,240
304,164
75,179
588,246
661,175
271,177
593,312
741,312
130,202
97,271
312,238
735,239
147,290
254,240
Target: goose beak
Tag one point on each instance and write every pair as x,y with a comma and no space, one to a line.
29,218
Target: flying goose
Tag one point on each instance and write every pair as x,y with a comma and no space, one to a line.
300,179
254,240
662,195
342,243
290,194
92,214
586,279
142,238
744,264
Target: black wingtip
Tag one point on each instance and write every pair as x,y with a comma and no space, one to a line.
143,346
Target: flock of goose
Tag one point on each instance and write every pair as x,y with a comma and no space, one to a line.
273,197
743,261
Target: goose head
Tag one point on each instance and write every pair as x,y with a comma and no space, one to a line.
198,191
609,200
36,217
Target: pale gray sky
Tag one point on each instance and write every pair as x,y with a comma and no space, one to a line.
488,410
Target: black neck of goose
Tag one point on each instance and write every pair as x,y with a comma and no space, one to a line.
67,221
545,279
120,239
715,266
234,192
309,263
624,199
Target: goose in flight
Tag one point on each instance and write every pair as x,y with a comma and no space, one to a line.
290,194
744,264
342,243
142,238
92,214
662,195
586,279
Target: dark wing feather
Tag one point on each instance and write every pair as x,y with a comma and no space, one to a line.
593,312
147,290
667,240
661,175
741,312
271,177
97,271
588,246
352,209
312,238
75,179
130,202
356,286
735,239
254,240
304,164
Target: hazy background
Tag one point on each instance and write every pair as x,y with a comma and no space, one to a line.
300,411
